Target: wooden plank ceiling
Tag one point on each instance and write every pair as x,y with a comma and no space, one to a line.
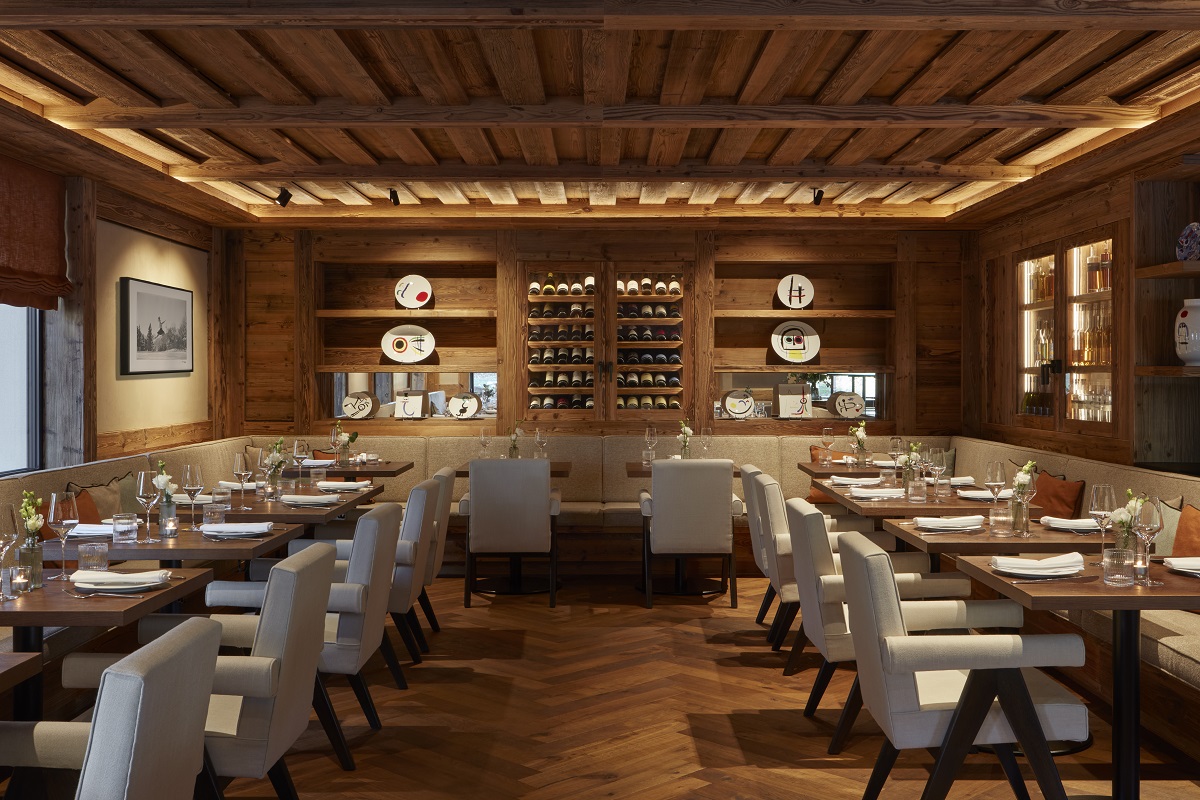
559,120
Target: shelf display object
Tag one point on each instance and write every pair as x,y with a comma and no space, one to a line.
649,342
561,340
1089,371
1037,291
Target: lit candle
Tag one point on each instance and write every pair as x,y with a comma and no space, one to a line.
20,584
170,527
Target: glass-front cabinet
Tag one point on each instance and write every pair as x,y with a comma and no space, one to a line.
1066,334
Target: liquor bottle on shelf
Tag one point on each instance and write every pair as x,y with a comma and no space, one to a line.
589,332
645,286
535,286
535,357
647,334
660,334
562,356
576,310
633,379
547,311
646,311
673,286
660,286
660,380
562,287
674,358
535,380
563,379
576,333
673,311
563,334
548,355
561,311
562,403
589,356
660,312
589,284
577,355
576,285
588,379
620,402
547,402
1093,270
589,310
647,401
675,334
549,286
535,312
646,358
576,401
535,333
1106,269
631,402
621,380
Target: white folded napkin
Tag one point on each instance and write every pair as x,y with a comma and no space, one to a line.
983,494
201,499
949,523
92,577
882,462
317,462
343,484
311,499
842,480
1184,564
876,494
89,529
958,480
1061,563
227,528
235,485
1071,524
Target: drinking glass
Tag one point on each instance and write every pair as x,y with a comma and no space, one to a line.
1146,525
705,439
1104,502
651,437
193,484
214,513
63,519
148,495
895,450
300,451
242,471
125,527
333,439
827,441
937,465
485,439
8,538
542,442
995,479
93,556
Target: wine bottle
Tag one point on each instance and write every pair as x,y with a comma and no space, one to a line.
577,310
576,401
673,402
675,335
660,312
674,382
621,379
589,356
577,355
562,356
548,286
561,311
576,333
660,403
534,380
535,333
589,402
660,380
562,287
589,332
646,286
660,286
621,402
548,355
576,285
563,334
589,284
620,285
1106,269
577,379
646,311
563,379
535,357
535,286
548,381
535,402
547,402
673,286
647,401
631,403
631,285
589,310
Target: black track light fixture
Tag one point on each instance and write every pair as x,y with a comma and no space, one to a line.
284,197
394,196
818,196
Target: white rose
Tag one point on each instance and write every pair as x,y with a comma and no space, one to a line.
162,481
35,523
343,439
902,461
1021,479
681,438
1120,516
686,431
171,488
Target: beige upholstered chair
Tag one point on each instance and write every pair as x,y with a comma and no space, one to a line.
756,541
445,478
822,599
512,512
146,737
688,513
942,691
777,549
413,554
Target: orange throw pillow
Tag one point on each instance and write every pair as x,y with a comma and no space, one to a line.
1058,497
814,454
86,506
1187,533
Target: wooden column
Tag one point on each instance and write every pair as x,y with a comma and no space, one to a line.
227,320
703,378
904,347
308,336
511,291
69,343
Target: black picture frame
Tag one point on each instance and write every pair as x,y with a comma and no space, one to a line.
151,343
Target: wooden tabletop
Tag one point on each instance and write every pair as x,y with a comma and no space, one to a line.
952,506
380,469
982,542
275,511
17,667
635,469
816,470
189,545
1178,592
52,607
558,469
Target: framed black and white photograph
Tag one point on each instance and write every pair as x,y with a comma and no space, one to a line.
156,328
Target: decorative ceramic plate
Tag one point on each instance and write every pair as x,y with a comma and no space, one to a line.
413,291
1188,248
795,291
849,404
738,404
408,344
360,405
463,405
795,342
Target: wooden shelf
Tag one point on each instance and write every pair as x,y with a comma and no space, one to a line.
1174,371
1041,305
650,391
649,345
805,313
1172,269
407,368
555,344
821,368
406,313
649,367
1091,297
557,390
560,367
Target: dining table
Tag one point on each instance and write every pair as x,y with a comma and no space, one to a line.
262,510
558,469
982,542
186,546
815,469
376,469
55,606
1088,592
952,506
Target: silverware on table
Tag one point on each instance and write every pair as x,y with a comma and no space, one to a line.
78,596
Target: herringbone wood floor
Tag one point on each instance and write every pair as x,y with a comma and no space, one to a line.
601,698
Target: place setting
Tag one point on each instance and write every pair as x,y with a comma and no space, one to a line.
1067,566
935,525
86,583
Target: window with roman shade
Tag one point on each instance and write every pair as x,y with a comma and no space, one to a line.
33,263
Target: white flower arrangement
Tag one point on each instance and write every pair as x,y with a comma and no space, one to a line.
902,460
1122,520
685,435
1024,476
343,439
30,504
273,460
859,432
162,482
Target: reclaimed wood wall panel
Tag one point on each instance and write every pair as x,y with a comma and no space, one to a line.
936,307
270,377
127,443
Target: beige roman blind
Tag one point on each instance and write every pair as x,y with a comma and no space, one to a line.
33,263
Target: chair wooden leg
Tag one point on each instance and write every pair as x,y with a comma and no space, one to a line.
883,767
363,693
647,580
973,706
406,635
786,625
846,721
553,562
793,662
329,721
1008,762
732,581
414,624
818,687
427,607
208,785
469,580
281,779
1022,718
768,598
393,663
773,631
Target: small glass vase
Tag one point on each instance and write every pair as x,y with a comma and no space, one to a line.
513,450
271,490
1020,516
863,457
168,520
342,456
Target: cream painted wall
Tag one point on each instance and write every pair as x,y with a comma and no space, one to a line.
131,402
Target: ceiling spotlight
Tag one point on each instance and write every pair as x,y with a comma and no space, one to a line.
284,197
394,196
818,196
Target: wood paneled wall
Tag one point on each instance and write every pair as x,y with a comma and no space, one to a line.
280,274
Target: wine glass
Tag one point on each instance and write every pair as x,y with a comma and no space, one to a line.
333,439
242,471
705,440
827,441
542,441
63,519
1146,525
300,452
937,465
485,440
193,484
148,495
651,437
8,538
1103,504
895,450
995,479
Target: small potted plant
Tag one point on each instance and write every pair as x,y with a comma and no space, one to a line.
685,439
858,443
342,442
168,523
273,461
1024,488
30,553
514,449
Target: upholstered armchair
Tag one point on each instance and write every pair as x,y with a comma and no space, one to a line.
414,551
445,478
756,543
